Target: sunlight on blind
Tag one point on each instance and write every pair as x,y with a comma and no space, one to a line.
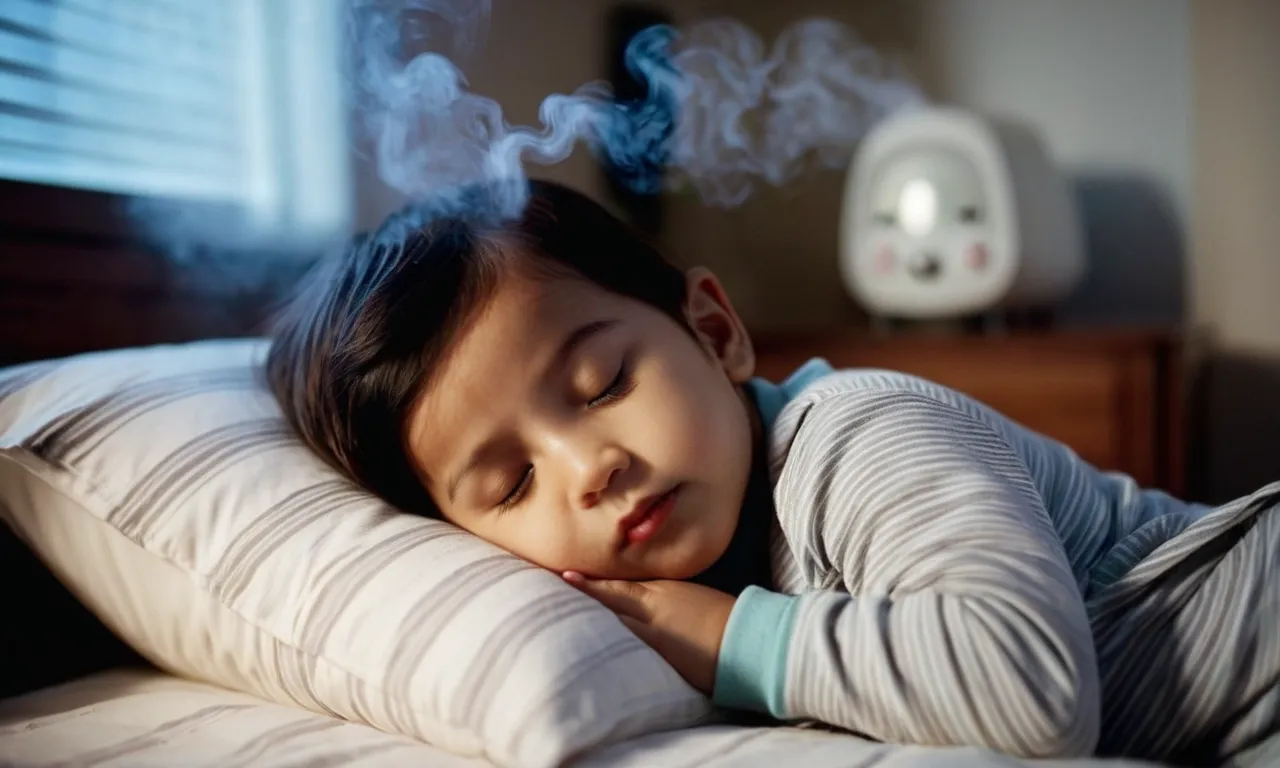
194,99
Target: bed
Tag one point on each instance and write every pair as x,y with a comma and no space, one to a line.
146,718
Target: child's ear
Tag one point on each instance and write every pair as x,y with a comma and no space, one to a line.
715,322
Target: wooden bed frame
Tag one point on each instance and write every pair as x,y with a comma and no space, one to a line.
76,276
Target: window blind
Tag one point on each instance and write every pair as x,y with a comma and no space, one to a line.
175,98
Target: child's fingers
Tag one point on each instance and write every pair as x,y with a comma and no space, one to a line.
621,597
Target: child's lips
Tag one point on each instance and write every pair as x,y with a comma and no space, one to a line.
647,519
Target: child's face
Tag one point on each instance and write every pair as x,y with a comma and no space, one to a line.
563,413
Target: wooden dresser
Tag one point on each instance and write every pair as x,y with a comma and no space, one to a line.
1115,397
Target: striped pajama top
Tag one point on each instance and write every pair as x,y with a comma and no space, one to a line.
942,575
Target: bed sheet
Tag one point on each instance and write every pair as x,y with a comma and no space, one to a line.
141,718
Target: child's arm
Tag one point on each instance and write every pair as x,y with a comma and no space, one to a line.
965,624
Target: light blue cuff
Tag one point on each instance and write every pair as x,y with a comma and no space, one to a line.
752,669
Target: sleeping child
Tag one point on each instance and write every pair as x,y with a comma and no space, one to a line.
860,548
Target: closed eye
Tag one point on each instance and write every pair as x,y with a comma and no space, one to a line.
520,490
621,385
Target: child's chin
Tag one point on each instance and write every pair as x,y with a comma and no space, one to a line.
691,562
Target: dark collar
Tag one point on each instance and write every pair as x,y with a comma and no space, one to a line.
746,561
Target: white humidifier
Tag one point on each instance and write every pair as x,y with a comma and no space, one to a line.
948,214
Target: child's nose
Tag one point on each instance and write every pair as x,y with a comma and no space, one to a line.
600,473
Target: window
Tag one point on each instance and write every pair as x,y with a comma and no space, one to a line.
230,102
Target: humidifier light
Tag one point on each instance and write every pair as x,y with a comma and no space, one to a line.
918,207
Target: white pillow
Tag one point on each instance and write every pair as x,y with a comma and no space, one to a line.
163,487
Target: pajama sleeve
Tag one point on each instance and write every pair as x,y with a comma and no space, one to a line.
944,610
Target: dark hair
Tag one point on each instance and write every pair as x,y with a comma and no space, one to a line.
353,349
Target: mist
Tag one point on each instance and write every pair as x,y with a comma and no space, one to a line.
724,112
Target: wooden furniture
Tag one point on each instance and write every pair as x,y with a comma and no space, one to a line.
1115,397
77,276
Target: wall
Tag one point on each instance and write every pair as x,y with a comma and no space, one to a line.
1237,161
532,49
1105,81
1235,235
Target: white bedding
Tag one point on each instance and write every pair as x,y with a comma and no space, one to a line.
138,718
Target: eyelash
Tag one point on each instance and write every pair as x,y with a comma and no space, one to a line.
617,389
519,491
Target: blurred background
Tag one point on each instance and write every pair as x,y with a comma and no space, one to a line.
169,167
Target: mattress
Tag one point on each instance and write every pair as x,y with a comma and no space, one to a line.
141,718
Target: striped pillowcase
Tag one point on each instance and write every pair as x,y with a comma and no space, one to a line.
164,488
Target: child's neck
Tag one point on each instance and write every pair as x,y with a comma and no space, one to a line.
746,560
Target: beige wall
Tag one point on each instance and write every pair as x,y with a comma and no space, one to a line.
1107,83
1236,232
1237,166
1105,80
533,48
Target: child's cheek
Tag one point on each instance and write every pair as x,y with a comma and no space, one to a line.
680,421
685,430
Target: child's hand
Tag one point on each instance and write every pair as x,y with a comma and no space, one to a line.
683,622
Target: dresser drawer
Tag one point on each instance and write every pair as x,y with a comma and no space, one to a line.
1113,398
